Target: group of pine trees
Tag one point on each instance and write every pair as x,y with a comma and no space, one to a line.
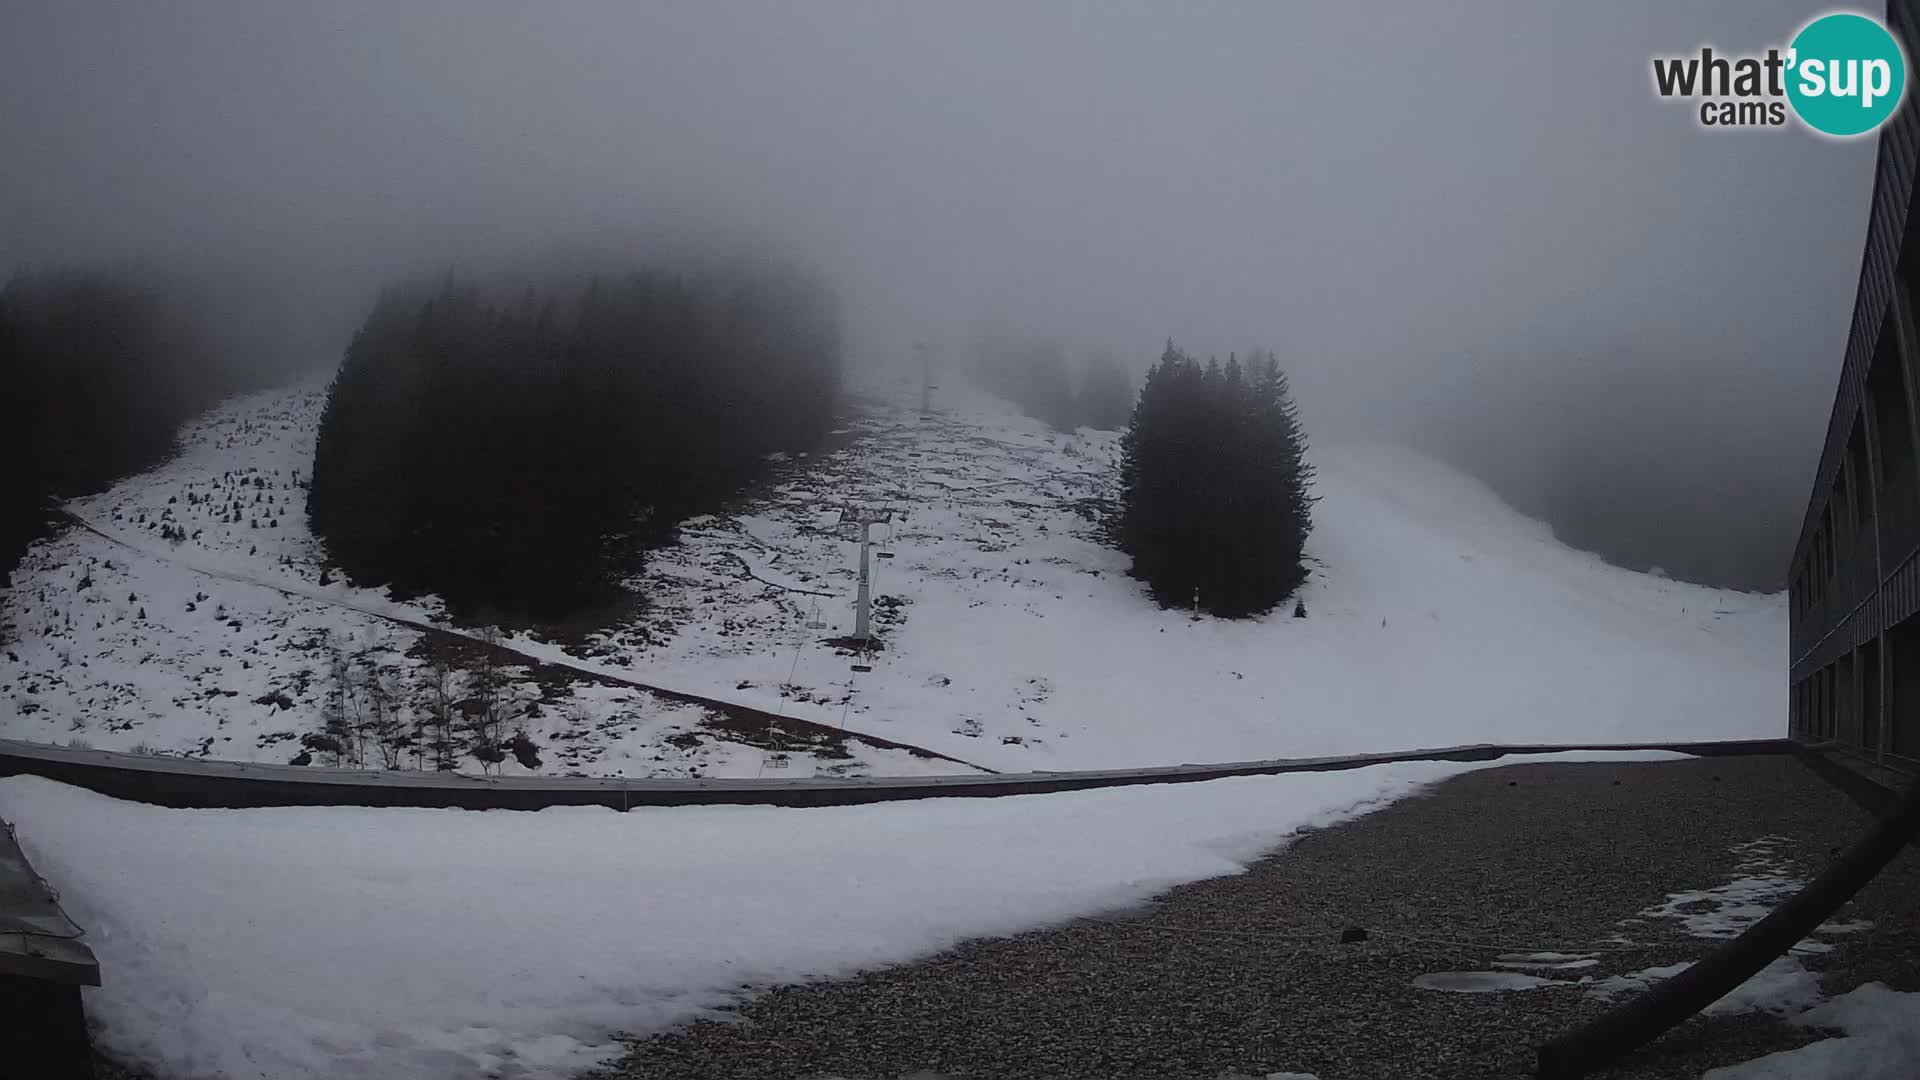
100,369
1104,399
1215,486
1035,375
507,448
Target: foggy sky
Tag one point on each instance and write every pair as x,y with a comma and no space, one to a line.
1443,217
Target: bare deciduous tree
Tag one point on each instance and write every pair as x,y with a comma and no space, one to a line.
389,736
434,722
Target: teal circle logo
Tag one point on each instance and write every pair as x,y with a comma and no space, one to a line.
1846,74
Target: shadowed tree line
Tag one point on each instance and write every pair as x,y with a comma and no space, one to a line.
1035,375
510,449
1105,396
1643,456
1215,503
100,369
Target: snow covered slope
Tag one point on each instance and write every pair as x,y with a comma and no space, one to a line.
1014,639
1436,615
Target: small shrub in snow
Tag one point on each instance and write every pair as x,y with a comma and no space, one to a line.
322,743
525,750
489,755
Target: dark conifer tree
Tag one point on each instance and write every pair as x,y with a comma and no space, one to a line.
1215,486
1030,373
1105,396
508,448
99,369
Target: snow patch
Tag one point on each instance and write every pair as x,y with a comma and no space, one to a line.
1726,911
1783,987
1634,981
1882,1041
1484,982
337,941
1564,963
1767,877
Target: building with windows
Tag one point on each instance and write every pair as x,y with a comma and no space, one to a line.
1854,585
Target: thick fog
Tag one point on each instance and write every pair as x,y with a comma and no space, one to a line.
1470,225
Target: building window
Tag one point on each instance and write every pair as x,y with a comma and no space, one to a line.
1822,698
1820,557
1846,718
1862,478
1887,392
1869,666
1823,554
1903,693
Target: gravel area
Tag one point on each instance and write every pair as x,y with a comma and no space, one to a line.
1246,975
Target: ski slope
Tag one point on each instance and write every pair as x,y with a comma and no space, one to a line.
1013,638
1436,615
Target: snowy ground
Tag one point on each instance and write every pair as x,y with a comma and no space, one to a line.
1765,879
290,943
1880,1027
1880,1040
1014,640
1436,615
216,639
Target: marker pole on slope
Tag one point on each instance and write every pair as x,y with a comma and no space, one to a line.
862,603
